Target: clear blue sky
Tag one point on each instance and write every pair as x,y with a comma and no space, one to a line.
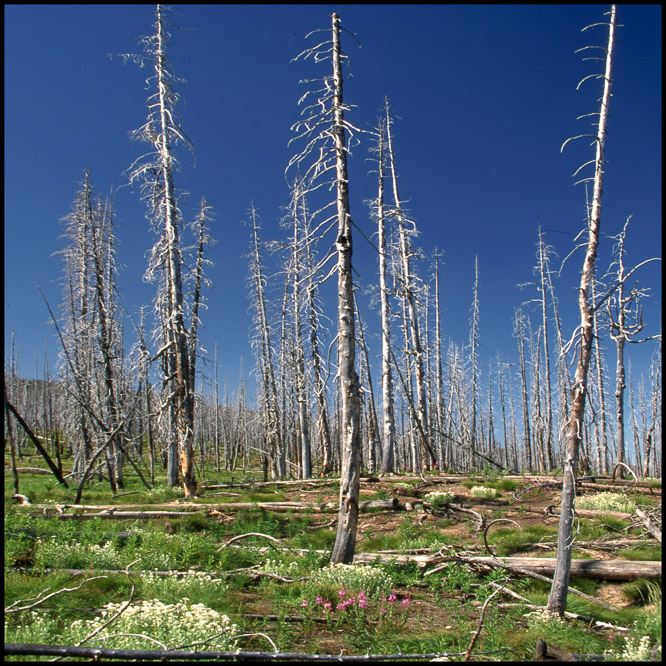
486,96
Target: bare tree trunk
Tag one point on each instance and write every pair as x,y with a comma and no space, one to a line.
573,432
626,322
388,429
345,542
269,385
474,341
157,173
299,211
520,335
548,427
373,425
423,460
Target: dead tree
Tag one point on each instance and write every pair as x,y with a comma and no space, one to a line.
155,173
408,289
519,332
574,428
625,319
548,432
264,350
474,358
325,129
388,418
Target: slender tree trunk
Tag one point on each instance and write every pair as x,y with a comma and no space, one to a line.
573,431
388,429
423,459
345,542
520,335
548,432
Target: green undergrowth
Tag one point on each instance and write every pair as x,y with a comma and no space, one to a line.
394,609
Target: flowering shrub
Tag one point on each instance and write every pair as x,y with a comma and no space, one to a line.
279,568
544,617
482,492
173,625
439,499
373,581
191,584
606,502
635,649
358,610
74,555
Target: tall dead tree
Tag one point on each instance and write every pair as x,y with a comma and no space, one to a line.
388,418
574,428
155,172
325,129
519,332
269,392
543,268
407,283
625,318
474,359
298,217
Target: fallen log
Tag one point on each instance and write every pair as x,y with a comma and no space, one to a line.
651,527
600,569
546,652
98,654
137,512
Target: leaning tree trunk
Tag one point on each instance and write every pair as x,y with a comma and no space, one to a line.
573,430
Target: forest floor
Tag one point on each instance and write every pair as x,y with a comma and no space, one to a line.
421,596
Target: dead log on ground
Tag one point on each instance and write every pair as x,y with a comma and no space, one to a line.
651,527
599,569
135,512
546,652
97,654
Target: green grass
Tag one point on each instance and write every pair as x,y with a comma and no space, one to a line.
508,540
194,542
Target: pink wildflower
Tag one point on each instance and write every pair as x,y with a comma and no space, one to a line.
405,603
327,605
319,601
342,593
362,603
305,602
392,598
382,611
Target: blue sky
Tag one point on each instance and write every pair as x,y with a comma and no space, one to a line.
486,95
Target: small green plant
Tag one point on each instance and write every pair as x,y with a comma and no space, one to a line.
457,577
439,499
641,591
490,473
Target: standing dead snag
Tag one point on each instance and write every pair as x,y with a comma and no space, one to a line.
155,172
557,600
625,318
422,457
324,161
345,542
